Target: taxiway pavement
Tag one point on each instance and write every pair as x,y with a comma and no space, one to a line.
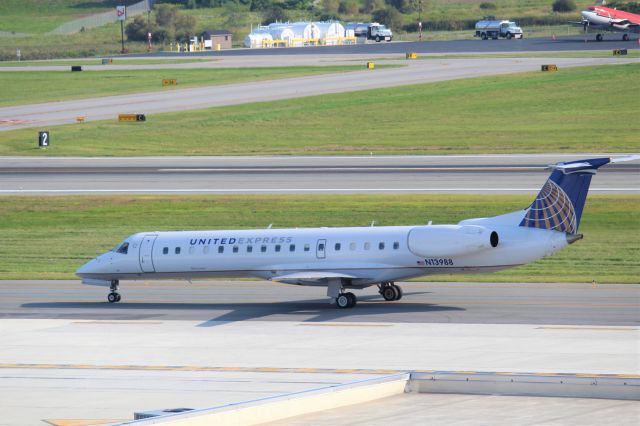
536,44
416,72
68,354
215,303
363,174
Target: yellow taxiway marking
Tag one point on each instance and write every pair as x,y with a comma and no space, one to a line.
116,322
291,370
83,422
342,324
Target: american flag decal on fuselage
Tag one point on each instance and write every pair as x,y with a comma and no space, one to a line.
552,209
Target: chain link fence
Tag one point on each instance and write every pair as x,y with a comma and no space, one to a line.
100,19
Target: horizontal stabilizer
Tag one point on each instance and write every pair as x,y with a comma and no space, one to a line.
626,158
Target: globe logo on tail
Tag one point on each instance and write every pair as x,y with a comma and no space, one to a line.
552,209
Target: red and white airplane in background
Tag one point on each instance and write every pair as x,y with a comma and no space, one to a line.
599,19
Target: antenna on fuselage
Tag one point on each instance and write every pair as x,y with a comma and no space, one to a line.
270,225
429,223
373,222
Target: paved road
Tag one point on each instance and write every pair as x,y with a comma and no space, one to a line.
416,72
365,174
565,43
218,302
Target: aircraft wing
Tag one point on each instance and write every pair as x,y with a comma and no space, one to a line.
313,277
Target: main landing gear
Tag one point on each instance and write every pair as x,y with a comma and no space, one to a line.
390,291
335,291
346,300
114,296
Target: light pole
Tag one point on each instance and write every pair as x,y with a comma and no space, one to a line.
420,20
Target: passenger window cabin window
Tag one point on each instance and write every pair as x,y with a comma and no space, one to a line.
352,246
367,246
277,248
220,249
235,249
123,249
165,250
337,247
396,245
177,251
263,249
249,249
321,247
292,247
381,246
307,247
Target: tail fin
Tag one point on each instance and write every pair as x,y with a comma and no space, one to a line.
561,200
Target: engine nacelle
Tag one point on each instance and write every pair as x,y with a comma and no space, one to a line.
450,240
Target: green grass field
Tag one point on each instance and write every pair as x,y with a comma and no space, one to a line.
44,86
50,237
40,16
585,109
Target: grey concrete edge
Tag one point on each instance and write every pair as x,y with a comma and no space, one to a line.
245,405
548,385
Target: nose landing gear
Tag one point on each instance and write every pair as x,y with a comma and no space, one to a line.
114,296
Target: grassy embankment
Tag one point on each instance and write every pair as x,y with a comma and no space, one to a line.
24,23
43,86
588,109
49,237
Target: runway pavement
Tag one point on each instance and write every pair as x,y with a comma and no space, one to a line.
256,175
415,72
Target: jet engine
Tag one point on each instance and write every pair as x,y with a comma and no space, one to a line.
450,240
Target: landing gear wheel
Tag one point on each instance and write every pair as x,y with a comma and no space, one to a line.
352,299
114,296
343,301
599,37
625,37
398,291
389,293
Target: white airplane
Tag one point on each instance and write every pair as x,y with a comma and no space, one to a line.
343,259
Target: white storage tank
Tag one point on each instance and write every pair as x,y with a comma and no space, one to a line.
305,30
283,33
331,31
257,38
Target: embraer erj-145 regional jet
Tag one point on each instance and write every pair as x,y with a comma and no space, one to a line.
343,259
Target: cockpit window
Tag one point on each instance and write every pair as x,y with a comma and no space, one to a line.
124,248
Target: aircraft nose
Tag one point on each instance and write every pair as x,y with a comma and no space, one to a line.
87,268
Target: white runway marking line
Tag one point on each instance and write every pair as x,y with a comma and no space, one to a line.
356,169
287,190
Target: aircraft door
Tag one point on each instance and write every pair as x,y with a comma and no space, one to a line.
321,249
146,247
